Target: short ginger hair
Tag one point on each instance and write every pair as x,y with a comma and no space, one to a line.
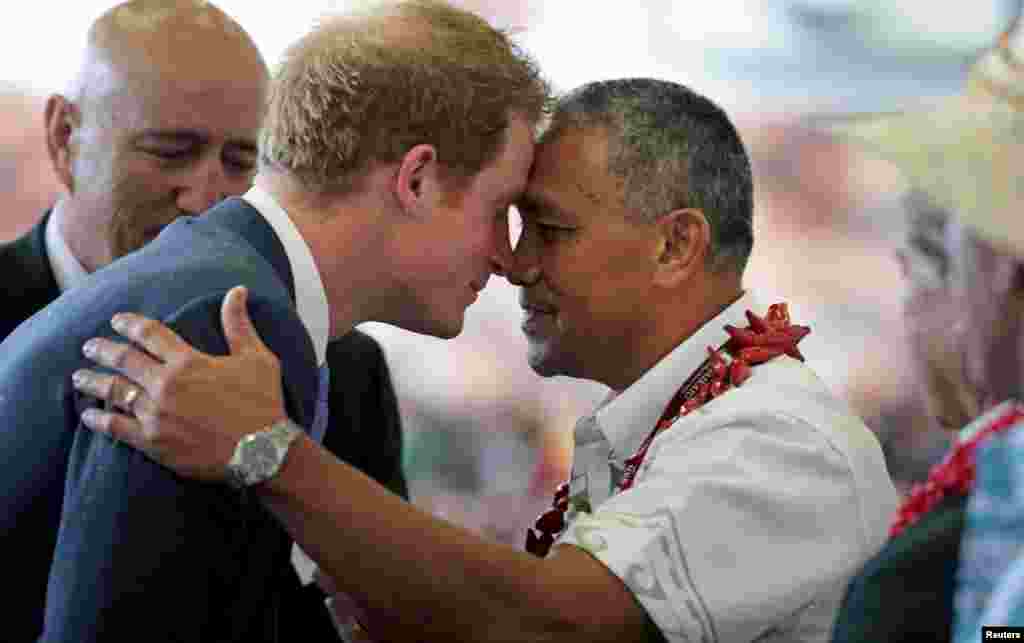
366,87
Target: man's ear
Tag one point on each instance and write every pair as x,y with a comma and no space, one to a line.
416,179
684,242
61,118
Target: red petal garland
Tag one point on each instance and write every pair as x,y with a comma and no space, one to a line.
955,475
764,338
540,545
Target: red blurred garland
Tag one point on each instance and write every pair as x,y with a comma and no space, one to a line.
763,339
955,475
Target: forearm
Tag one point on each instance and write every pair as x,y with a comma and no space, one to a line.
434,580
431,580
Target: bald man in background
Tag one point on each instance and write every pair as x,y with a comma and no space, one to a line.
162,121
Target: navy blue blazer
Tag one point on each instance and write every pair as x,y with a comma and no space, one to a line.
365,426
141,553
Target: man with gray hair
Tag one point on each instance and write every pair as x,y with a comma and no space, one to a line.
720,494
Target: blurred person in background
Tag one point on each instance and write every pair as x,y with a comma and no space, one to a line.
934,315
936,326
161,121
989,576
722,493
967,334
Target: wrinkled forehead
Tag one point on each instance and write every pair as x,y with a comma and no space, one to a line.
145,57
572,167
170,96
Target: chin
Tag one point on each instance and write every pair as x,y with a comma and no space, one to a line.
126,249
448,333
542,362
444,328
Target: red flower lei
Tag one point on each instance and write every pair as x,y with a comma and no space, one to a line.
762,340
955,475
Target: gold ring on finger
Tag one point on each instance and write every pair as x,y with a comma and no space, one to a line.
130,395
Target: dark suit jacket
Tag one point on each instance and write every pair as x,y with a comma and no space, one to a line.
905,593
366,431
29,284
140,552
365,425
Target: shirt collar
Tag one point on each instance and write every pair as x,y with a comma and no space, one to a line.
67,270
630,416
310,295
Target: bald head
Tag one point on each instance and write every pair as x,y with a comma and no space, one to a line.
147,42
161,120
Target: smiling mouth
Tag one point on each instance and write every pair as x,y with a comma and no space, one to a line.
536,307
536,318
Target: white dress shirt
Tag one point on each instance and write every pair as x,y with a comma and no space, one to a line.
749,515
67,270
310,296
310,304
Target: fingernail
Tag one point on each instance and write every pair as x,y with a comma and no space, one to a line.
119,323
89,348
90,417
78,378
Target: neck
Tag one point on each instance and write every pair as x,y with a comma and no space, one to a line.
342,237
75,231
675,321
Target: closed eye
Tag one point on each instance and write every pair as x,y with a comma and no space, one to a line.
240,161
551,233
171,153
179,148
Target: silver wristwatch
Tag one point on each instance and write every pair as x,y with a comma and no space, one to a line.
258,456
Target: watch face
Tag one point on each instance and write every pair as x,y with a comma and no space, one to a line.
258,456
261,458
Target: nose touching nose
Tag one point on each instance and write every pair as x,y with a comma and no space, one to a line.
518,264
502,258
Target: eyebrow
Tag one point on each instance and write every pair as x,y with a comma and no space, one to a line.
195,137
528,204
512,195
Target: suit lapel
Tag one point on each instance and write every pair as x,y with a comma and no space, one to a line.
36,271
235,214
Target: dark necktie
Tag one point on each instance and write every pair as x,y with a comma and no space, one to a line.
322,412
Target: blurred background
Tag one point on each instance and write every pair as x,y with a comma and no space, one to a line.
486,439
